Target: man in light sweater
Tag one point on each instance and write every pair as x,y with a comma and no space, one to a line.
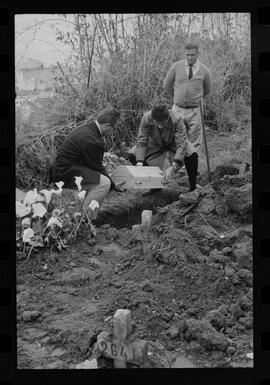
188,82
161,141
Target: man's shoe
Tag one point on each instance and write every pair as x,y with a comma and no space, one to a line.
198,186
150,192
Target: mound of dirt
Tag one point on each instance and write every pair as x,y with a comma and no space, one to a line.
187,280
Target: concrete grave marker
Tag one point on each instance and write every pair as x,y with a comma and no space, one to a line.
117,346
147,217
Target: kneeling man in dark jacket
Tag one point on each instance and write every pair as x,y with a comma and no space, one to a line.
81,154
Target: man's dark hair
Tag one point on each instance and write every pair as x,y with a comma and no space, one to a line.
192,46
108,116
160,113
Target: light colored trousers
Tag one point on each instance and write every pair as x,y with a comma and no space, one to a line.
157,160
192,117
161,160
98,191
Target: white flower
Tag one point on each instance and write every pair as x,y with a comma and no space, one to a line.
56,213
32,196
78,181
77,214
60,185
22,210
57,192
93,205
39,210
26,222
54,221
47,194
81,194
27,235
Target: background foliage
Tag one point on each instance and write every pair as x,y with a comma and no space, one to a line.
121,60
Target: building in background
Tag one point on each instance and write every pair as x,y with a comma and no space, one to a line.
32,75
34,84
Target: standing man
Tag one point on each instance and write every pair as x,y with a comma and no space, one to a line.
81,154
161,141
188,82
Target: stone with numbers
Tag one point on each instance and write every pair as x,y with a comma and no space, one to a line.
122,352
117,346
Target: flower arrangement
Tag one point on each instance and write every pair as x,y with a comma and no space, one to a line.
41,224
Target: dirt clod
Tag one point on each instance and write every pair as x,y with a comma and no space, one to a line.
247,322
205,334
189,198
245,303
246,276
240,200
242,252
217,319
235,311
30,315
173,332
229,272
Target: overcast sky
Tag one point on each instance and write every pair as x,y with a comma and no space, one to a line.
36,39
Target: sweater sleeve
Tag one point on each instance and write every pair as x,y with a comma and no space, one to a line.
142,138
180,140
207,82
169,80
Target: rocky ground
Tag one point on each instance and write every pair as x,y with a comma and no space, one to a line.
187,279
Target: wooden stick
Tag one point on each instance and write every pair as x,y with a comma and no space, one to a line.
205,143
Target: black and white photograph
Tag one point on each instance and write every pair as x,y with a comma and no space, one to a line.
133,190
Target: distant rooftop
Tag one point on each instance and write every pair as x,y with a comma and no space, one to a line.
28,64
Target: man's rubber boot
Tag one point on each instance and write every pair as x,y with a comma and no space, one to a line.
132,158
191,164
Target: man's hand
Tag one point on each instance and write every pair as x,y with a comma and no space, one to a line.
176,166
139,164
168,175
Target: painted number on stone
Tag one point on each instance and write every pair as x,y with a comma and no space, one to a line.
123,353
114,350
103,345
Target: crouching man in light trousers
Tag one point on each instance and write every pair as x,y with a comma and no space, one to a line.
161,141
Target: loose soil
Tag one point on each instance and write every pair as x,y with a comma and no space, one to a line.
187,279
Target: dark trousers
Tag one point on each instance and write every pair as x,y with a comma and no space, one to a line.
191,164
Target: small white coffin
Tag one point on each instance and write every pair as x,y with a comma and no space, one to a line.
138,177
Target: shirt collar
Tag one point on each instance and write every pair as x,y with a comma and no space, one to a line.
195,65
97,123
